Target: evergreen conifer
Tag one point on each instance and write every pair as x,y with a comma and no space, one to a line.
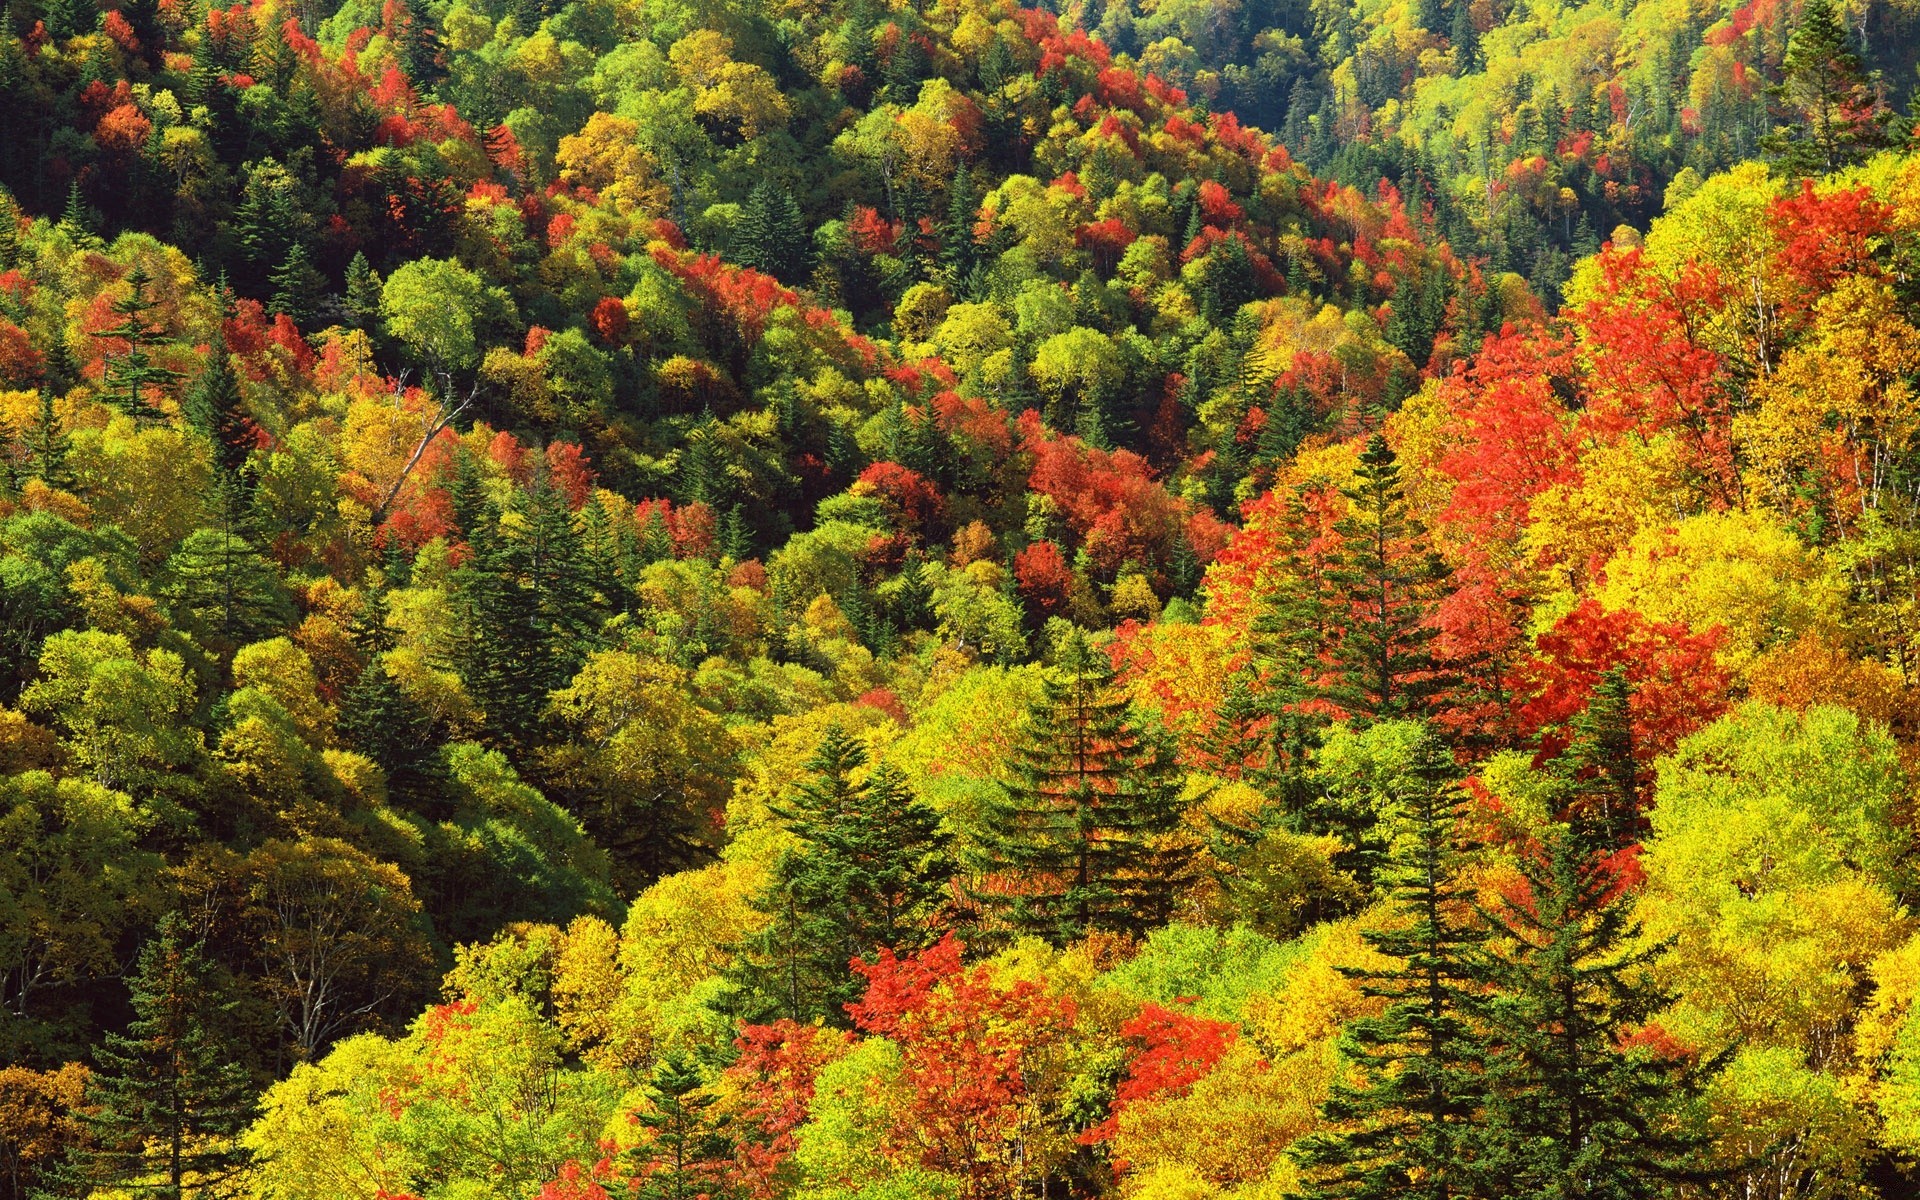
1082,840
170,1096
1409,1128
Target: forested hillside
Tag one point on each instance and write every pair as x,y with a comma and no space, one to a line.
822,600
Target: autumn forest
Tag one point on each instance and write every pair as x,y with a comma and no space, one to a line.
939,600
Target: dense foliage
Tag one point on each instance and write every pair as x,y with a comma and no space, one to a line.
842,600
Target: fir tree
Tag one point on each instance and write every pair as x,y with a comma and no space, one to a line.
9,210
362,300
1831,103
11,456
528,608
957,249
1388,580
47,446
1598,763
1081,837
378,719
214,408
131,376
219,585
1573,1110
1464,37
771,235
683,1152
1407,1130
76,217
1288,670
299,290
171,1098
870,872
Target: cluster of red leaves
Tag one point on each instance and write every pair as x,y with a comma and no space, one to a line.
1044,578
773,1085
1113,504
914,504
1171,1052
967,1045
1678,687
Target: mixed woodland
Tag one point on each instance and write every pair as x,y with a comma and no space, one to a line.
877,600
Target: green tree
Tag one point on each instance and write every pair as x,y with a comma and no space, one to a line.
529,607
1831,103
171,1096
1409,1127
48,445
771,234
439,311
870,872
215,409
378,719
299,289
223,589
1573,1109
1083,838
1387,577
131,377
683,1152
362,298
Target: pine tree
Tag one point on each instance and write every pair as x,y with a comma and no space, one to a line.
11,456
1572,1111
528,607
1388,580
1598,763
1830,102
76,217
9,209
771,235
219,585
1408,1129
47,447
171,1097
1082,838
684,1152
214,408
132,376
1290,637
378,719
299,290
957,250
363,292
1464,37
870,872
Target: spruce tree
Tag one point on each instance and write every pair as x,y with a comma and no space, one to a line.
772,235
683,1153
1081,838
76,217
214,408
47,446
1388,579
1572,1110
219,585
526,602
171,1098
1407,1130
132,377
1464,36
1598,764
362,300
1829,102
299,290
378,719
870,872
